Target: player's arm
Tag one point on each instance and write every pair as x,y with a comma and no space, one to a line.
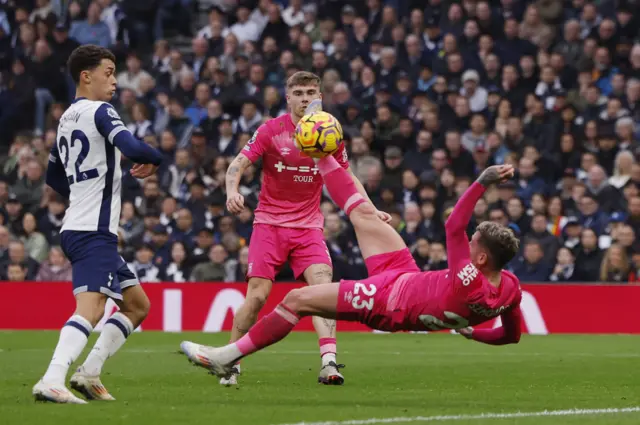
56,176
113,129
235,201
456,225
254,150
508,333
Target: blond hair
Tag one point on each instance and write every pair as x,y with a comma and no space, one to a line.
606,267
500,241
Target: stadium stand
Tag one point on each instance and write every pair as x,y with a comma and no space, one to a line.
428,93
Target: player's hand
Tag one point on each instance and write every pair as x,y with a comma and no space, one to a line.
386,217
496,174
235,203
142,171
466,332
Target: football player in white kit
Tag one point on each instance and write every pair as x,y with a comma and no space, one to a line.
84,166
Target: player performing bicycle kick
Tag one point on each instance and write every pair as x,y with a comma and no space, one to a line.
398,296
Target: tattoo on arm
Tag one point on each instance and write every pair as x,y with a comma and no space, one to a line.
235,170
489,177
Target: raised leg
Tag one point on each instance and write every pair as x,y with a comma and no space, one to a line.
374,235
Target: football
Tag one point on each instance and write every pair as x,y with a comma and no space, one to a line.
318,134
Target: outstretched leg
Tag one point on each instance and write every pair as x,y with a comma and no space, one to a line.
374,235
320,300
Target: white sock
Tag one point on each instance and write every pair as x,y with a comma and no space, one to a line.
73,338
229,353
328,358
113,336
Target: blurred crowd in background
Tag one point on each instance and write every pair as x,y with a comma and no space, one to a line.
428,92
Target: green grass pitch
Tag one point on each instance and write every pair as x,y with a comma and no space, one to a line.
412,376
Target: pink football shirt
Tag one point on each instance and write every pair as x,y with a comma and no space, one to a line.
291,182
460,296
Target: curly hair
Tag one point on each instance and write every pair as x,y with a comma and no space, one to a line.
501,243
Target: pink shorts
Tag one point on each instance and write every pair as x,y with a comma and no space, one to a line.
366,301
272,246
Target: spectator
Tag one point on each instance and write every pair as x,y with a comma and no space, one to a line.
179,267
140,126
143,266
476,94
17,254
161,246
29,189
183,231
420,253
565,266
532,266
244,28
14,215
56,268
622,170
92,30
437,257
134,74
242,268
35,243
16,272
615,265
548,242
215,269
607,196
130,223
588,257
591,216
50,221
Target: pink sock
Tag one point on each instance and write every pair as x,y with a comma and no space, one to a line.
327,346
268,330
339,184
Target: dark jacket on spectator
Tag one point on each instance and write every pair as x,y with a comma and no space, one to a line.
588,265
529,272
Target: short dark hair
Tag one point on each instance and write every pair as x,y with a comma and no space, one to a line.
501,243
87,58
18,264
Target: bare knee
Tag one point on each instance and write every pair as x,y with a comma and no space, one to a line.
136,305
90,305
257,293
299,301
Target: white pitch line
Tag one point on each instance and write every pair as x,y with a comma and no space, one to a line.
444,418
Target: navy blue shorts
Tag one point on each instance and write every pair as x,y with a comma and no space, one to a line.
96,264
